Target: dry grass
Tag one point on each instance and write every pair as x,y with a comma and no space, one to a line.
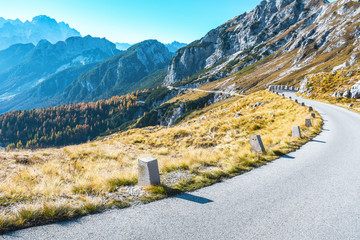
325,84
54,184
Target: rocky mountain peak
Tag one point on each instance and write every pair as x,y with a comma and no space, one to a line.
40,27
151,53
43,19
81,44
266,24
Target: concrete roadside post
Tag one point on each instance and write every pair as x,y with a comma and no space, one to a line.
308,122
296,132
257,144
148,172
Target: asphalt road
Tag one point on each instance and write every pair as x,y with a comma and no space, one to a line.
313,193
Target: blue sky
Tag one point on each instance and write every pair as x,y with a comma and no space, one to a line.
133,20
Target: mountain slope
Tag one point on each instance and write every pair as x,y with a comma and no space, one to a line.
41,27
14,55
117,74
46,93
279,40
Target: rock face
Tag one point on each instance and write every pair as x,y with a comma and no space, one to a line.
304,28
41,27
242,34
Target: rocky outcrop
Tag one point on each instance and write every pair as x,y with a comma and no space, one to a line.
177,113
168,114
303,85
355,90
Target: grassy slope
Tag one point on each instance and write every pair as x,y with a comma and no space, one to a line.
56,184
325,84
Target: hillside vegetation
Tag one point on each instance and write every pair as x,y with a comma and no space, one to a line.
210,144
74,123
325,86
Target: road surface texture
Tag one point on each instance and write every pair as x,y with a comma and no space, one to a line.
313,193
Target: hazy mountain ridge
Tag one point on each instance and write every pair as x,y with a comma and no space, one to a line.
40,27
173,47
39,62
93,75
115,75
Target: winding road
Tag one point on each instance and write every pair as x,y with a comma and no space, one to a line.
313,193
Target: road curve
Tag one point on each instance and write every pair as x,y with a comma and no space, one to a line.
313,193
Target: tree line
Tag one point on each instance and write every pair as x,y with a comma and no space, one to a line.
67,124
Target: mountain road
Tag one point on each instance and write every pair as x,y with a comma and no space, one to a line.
312,193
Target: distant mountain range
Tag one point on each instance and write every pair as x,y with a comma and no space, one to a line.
173,47
25,65
46,63
75,70
41,27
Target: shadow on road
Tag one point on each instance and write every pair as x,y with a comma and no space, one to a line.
318,141
281,154
193,198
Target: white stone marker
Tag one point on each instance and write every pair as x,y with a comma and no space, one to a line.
296,131
148,172
257,144
308,122
313,115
